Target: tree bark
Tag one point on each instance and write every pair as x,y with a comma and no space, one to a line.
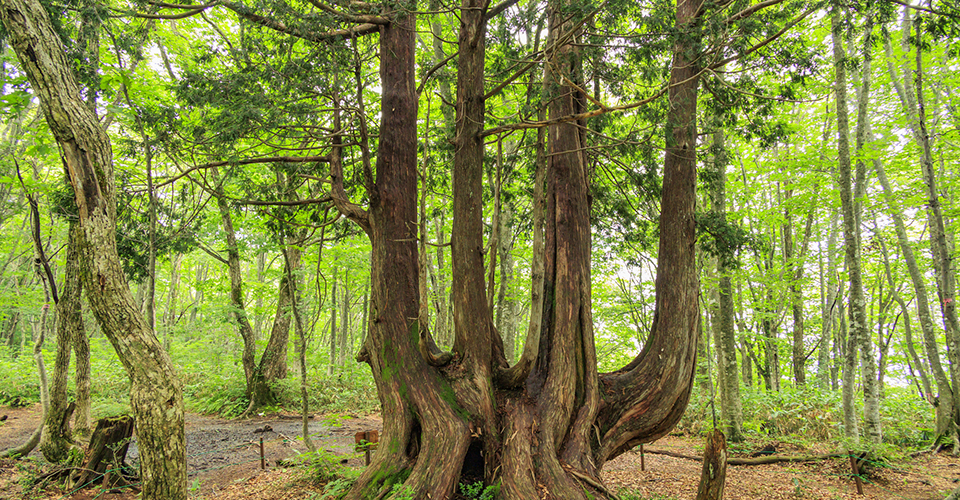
239,311
868,356
942,257
332,362
731,411
156,392
506,303
538,427
713,476
58,438
851,238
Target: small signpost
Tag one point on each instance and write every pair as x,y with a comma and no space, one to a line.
366,441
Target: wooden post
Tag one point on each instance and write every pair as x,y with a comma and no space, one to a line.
643,466
856,473
714,472
263,463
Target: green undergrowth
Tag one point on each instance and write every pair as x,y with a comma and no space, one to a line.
223,393
211,374
808,415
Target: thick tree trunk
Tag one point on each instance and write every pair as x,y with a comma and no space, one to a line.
156,392
713,476
273,362
425,438
106,452
538,426
81,348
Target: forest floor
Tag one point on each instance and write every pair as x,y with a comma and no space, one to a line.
224,463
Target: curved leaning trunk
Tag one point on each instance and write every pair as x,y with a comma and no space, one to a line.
156,392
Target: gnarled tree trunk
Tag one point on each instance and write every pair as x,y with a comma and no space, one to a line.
550,422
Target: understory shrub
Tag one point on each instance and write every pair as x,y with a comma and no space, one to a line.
809,414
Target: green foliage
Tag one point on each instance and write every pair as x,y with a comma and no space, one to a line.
219,393
807,415
335,489
324,467
478,491
400,491
19,385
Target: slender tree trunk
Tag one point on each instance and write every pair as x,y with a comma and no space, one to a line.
942,257
38,328
730,404
826,362
156,392
332,362
851,238
200,275
868,359
239,311
344,325
58,439
172,315
506,304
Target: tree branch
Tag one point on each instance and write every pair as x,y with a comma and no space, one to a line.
352,18
248,161
499,8
329,36
212,253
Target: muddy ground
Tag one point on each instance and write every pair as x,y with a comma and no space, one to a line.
223,462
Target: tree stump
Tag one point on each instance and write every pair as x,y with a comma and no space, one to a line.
714,472
107,452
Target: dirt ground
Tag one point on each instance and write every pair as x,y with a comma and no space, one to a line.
223,462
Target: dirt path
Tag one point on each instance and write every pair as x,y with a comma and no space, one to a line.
220,453
223,462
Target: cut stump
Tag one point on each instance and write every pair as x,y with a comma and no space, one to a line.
106,455
714,472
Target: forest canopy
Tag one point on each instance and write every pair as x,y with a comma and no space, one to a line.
536,224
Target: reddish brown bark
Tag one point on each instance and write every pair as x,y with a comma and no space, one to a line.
541,428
